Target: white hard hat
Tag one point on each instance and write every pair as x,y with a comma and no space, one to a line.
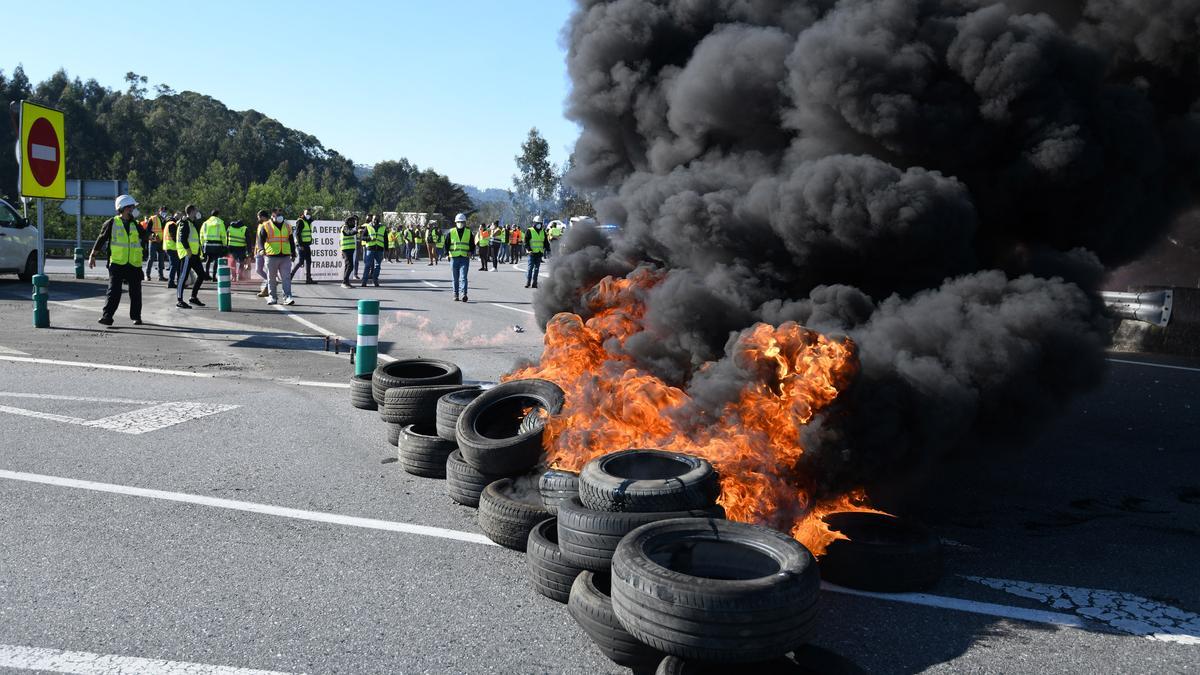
537,218
460,218
123,201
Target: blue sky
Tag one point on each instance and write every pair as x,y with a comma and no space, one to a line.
449,85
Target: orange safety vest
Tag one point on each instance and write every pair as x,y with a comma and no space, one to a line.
279,240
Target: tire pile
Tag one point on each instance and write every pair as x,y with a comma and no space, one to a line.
635,544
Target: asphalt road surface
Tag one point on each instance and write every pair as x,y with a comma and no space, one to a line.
198,491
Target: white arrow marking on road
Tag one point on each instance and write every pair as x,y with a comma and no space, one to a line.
88,663
45,152
159,415
1125,612
9,350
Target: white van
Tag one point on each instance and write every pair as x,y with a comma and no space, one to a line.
18,244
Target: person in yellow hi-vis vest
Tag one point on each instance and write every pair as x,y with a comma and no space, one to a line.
154,226
187,244
458,241
168,243
126,241
275,241
236,234
483,244
535,242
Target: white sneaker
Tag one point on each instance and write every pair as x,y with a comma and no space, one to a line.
272,301
289,301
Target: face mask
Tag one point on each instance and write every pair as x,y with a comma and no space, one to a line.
194,216
278,219
135,213
162,215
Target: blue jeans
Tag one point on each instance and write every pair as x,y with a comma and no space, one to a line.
460,265
374,259
534,266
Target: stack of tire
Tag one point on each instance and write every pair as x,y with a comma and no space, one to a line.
408,394
570,556
499,436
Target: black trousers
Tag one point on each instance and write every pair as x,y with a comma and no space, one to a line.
155,253
347,265
131,276
305,256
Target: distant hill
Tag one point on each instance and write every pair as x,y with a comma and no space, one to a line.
485,195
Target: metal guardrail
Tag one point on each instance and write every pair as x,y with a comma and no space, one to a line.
1153,307
69,243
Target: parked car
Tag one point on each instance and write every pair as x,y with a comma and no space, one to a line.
18,244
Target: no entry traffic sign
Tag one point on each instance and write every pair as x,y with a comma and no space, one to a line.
43,146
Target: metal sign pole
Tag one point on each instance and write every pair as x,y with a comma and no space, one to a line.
79,216
41,237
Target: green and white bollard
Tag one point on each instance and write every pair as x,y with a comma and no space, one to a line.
368,337
41,294
224,292
78,263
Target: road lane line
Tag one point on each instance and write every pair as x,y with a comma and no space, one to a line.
525,270
310,383
103,366
429,284
64,419
515,309
381,356
90,663
88,399
961,605
1154,365
9,350
250,507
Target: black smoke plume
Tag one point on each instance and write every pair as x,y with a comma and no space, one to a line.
943,181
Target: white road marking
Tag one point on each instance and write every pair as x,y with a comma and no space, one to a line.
158,417
1172,624
89,663
251,507
525,270
41,415
328,385
382,357
429,284
77,305
160,414
1125,612
515,309
8,350
1154,365
88,399
104,366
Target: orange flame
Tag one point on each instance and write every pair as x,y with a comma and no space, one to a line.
755,440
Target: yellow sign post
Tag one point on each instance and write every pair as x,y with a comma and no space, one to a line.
43,150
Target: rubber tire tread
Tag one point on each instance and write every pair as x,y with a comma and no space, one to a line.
896,567
465,483
449,407
508,455
593,611
505,520
423,455
361,396
726,621
602,491
382,379
415,405
549,574
393,433
588,538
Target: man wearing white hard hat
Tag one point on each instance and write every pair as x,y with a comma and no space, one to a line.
126,242
458,240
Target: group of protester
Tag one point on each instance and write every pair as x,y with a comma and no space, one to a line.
189,246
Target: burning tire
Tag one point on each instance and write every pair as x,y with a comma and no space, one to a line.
715,590
465,483
591,607
360,392
588,538
508,514
393,433
557,487
412,373
422,452
500,433
807,660
883,553
415,405
449,407
550,575
648,480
